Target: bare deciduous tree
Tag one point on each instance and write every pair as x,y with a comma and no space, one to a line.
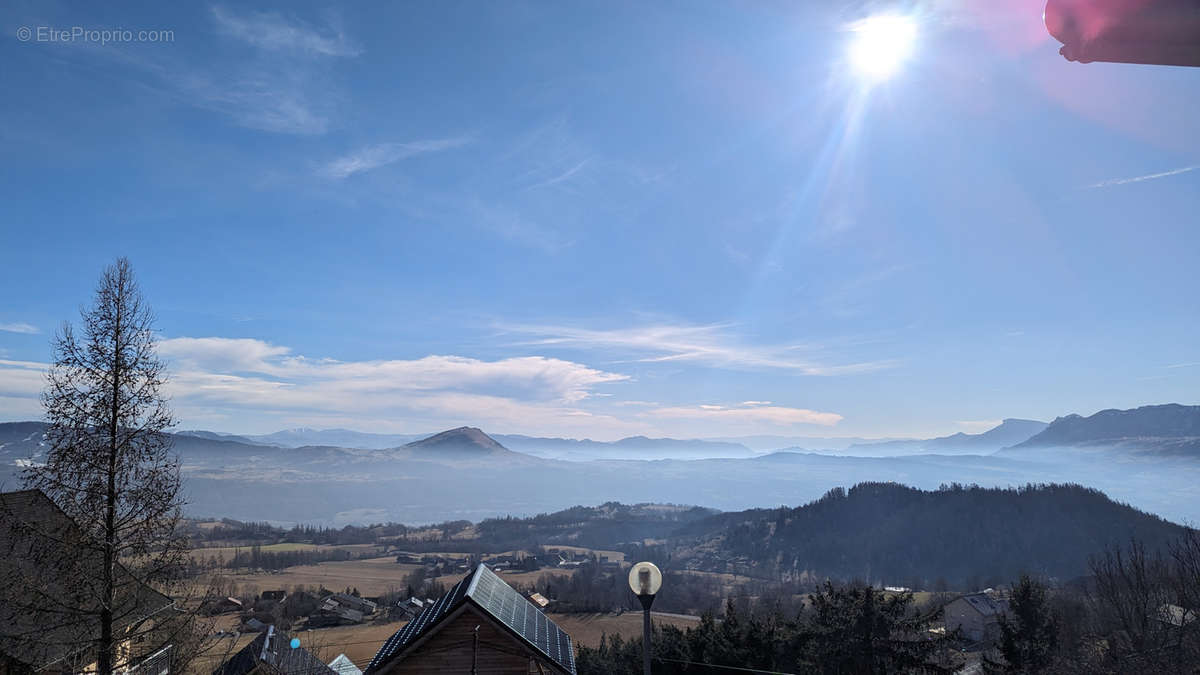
109,465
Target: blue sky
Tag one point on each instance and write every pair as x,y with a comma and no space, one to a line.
603,219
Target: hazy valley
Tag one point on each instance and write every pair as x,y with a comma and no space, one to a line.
1148,457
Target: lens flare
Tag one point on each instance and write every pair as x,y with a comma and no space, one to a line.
882,44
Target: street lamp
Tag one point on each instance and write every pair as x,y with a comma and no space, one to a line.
644,580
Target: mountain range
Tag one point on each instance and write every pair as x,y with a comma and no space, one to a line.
1169,429
465,473
1007,433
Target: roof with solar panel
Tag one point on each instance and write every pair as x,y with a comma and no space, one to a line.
487,592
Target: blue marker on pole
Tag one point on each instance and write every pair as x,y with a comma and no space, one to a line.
295,642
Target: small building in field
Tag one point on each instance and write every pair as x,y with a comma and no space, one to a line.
481,623
274,596
977,615
271,653
225,605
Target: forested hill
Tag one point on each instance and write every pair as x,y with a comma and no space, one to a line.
890,533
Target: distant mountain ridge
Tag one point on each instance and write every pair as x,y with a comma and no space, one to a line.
342,438
1009,432
1171,420
632,447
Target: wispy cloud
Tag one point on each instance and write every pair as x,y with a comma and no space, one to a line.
1139,179
271,31
711,344
276,77
564,176
1184,365
19,328
748,415
382,154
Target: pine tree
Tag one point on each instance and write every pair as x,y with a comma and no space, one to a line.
109,465
1028,631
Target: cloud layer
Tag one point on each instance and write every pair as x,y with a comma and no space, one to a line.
748,414
221,376
233,384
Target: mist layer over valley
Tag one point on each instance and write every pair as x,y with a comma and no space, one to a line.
1148,457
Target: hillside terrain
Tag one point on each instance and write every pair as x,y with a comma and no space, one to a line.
884,533
890,533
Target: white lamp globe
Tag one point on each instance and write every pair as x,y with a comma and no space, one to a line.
645,578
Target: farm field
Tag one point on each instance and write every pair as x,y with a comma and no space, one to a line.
611,555
371,576
229,551
586,629
514,579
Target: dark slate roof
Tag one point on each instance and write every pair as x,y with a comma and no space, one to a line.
984,604
483,589
52,574
273,647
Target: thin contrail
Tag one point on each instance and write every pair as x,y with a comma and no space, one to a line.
1138,179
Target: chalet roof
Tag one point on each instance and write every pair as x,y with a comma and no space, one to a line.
273,647
51,568
985,604
487,592
344,666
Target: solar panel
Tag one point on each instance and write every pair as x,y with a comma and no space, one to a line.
504,604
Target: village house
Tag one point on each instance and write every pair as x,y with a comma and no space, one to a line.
332,613
481,625
40,546
367,607
977,615
271,653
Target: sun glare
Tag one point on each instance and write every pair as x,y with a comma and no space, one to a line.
882,44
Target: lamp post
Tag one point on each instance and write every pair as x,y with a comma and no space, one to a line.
644,580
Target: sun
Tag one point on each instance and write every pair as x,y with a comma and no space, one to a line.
881,44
